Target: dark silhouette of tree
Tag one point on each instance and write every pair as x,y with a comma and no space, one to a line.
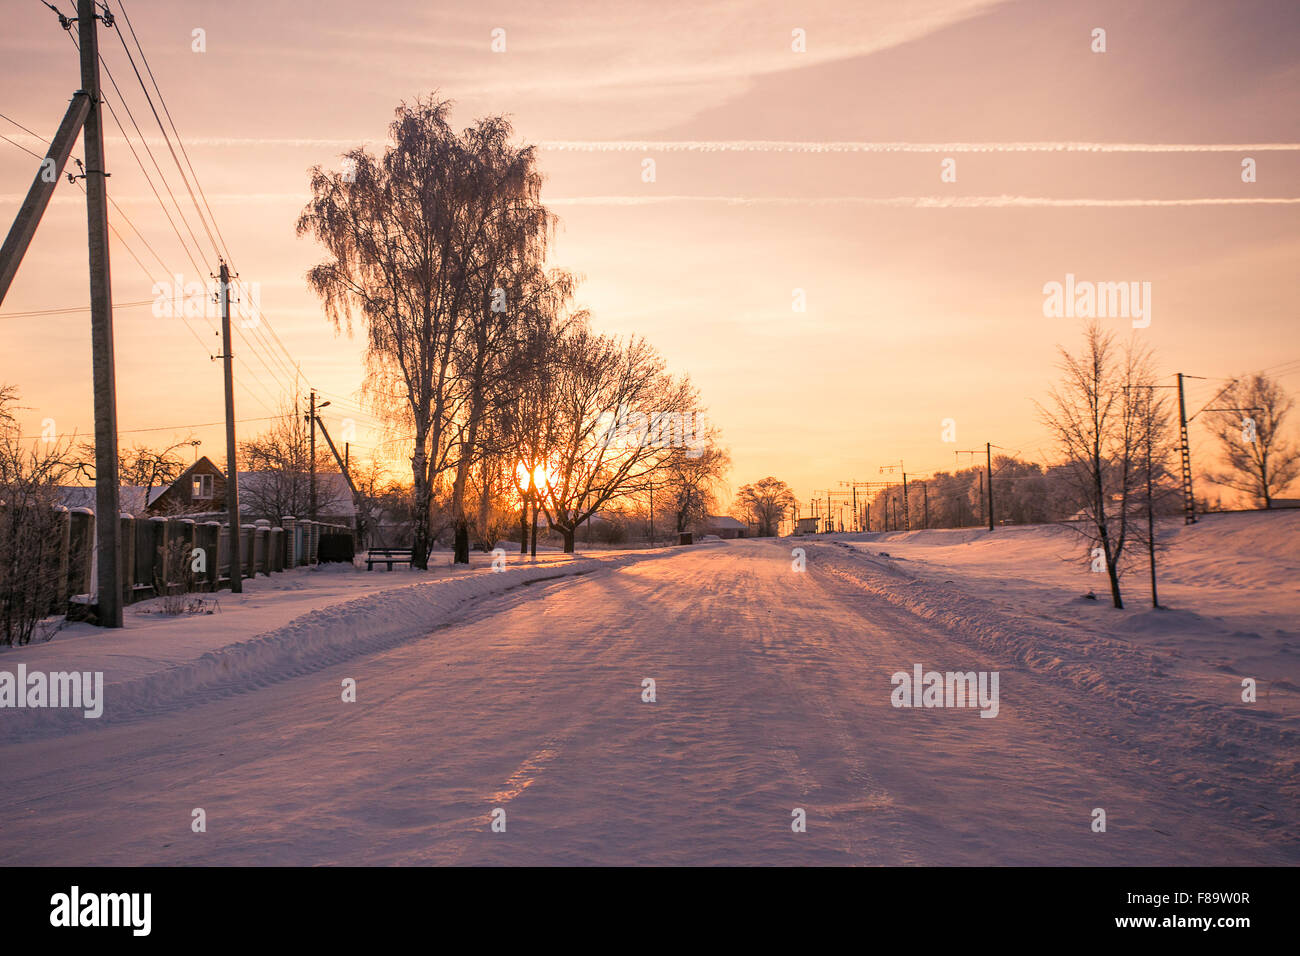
765,504
1261,462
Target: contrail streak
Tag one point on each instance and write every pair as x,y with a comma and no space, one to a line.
792,146
755,146
914,202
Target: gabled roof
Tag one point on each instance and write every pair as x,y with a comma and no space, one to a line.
131,498
724,521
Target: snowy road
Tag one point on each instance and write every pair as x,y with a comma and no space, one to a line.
773,693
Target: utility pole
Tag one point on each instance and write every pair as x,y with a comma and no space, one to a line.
1150,506
232,472
925,498
988,467
652,514
907,521
907,524
85,115
42,188
107,508
311,483
1185,452
988,464
347,476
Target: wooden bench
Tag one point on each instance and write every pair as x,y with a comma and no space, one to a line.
388,556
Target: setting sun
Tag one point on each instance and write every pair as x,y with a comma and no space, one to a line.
543,476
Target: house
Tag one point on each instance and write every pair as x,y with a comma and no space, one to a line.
200,489
806,525
725,526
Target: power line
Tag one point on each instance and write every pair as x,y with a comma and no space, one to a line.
71,309
252,345
161,99
166,139
266,336
165,428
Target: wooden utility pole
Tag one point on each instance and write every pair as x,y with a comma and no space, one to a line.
42,188
311,483
347,476
85,115
232,466
107,509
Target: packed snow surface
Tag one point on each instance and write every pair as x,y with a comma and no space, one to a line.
525,692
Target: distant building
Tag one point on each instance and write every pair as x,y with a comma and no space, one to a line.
724,526
200,492
806,525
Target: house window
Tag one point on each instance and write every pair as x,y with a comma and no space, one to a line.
202,486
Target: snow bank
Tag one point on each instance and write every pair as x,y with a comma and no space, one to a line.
1229,586
321,637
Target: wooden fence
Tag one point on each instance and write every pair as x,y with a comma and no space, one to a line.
161,556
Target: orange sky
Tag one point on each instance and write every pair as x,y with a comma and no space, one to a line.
924,297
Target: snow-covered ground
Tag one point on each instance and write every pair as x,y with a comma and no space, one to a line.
277,626
773,693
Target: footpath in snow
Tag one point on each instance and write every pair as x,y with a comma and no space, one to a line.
280,626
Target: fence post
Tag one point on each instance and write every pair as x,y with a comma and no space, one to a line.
63,559
126,556
185,534
261,547
81,546
275,550
246,551
290,542
158,577
210,533
225,542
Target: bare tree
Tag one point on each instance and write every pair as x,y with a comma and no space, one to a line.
279,459
30,524
690,481
765,504
1261,462
616,417
404,234
1102,423
139,465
